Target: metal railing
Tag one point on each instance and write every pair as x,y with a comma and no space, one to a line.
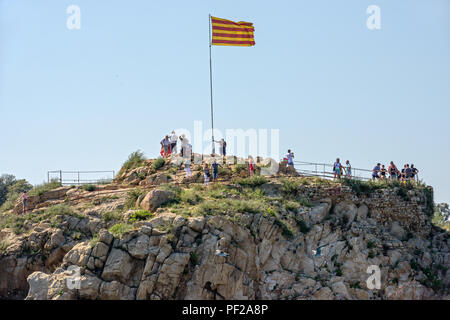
81,177
325,170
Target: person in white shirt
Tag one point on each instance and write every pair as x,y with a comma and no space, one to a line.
222,148
290,157
173,142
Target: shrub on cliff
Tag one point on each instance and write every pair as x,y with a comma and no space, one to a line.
132,196
119,229
135,159
254,181
20,223
289,187
158,163
46,186
141,215
10,191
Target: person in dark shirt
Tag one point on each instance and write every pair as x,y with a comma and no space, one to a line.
407,172
383,172
215,170
206,173
393,171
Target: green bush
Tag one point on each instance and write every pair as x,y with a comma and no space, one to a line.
89,187
238,168
10,191
254,181
112,216
141,215
135,159
289,187
42,188
132,196
370,244
18,223
291,205
4,244
303,226
229,206
193,257
306,203
158,163
119,229
190,196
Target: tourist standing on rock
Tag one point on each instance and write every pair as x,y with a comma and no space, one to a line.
24,201
165,144
375,172
348,169
383,172
222,148
408,172
337,169
414,172
206,173
393,171
215,168
290,157
183,142
173,142
251,166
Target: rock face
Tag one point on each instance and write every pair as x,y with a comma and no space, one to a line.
260,263
336,238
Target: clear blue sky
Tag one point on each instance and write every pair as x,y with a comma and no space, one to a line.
84,99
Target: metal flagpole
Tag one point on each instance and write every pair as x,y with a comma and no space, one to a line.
211,87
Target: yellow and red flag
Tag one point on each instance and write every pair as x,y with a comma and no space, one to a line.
229,33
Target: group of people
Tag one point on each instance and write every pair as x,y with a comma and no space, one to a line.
408,173
170,142
339,169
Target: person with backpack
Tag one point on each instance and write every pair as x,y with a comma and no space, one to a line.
337,169
375,172
206,173
393,171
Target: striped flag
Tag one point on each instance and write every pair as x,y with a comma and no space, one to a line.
229,33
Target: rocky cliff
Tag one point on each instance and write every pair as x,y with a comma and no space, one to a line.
155,234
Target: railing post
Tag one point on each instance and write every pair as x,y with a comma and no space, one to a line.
60,177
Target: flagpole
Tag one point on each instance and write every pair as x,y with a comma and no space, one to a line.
211,88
